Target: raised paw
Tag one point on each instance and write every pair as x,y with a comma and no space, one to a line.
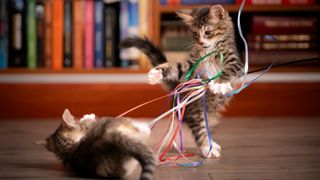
213,153
220,88
154,76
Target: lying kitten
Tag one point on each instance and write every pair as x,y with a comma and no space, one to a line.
212,30
104,147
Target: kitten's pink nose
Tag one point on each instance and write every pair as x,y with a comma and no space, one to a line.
201,43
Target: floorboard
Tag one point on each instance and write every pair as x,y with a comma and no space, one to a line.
252,148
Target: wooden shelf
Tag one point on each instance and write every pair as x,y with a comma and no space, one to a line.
247,8
72,71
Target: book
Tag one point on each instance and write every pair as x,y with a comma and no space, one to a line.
47,33
124,33
144,20
299,2
77,38
175,37
261,2
257,46
89,34
280,56
112,34
17,42
283,41
40,31
192,2
57,34
284,25
67,34
31,34
282,37
277,2
98,34
3,35
163,2
195,2
133,30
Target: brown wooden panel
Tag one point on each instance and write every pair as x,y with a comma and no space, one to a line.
49,100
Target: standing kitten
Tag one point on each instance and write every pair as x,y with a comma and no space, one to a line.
212,30
104,147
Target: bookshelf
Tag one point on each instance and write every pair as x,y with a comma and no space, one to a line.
25,92
159,10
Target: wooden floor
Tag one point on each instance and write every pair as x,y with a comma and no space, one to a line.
253,148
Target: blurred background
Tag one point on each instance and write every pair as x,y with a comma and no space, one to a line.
57,54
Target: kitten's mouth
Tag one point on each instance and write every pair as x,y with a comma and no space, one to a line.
205,47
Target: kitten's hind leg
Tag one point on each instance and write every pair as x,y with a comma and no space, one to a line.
198,127
139,151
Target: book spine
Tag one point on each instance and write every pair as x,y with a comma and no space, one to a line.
279,56
284,25
40,32
299,2
57,34
258,46
3,35
261,2
134,54
283,37
99,35
67,34
17,33
77,34
143,28
191,2
47,33
124,33
112,35
163,2
88,34
283,41
31,28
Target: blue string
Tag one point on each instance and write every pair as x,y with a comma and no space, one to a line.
180,123
206,120
193,164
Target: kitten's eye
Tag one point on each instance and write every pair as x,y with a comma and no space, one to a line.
208,33
195,33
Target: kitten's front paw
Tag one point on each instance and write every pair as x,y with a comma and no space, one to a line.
220,88
154,76
213,153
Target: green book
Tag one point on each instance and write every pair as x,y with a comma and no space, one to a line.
31,34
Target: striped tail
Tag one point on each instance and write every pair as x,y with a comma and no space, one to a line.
147,47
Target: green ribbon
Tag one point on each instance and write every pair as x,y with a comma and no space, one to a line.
201,59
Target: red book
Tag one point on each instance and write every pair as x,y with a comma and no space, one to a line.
77,24
284,25
173,2
261,2
57,34
300,2
89,34
47,33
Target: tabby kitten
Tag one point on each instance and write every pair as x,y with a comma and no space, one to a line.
104,147
212,30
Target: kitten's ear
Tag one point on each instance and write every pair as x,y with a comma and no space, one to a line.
217,12
185,15
68,119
